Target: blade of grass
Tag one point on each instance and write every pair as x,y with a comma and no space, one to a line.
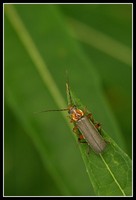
100,41
37,141
109,172
114,178
33,52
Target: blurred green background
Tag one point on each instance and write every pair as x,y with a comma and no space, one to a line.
92,42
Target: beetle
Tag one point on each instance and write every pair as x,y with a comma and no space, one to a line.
84,126
86,130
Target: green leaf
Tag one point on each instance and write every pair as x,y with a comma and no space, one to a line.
110,172
38,50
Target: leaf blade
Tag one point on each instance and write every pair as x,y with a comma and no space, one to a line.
110,167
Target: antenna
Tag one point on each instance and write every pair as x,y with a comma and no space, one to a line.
68,89
69,98
51,110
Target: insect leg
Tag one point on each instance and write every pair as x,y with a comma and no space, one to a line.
81,138
79,135
75,130
90,116
98,126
